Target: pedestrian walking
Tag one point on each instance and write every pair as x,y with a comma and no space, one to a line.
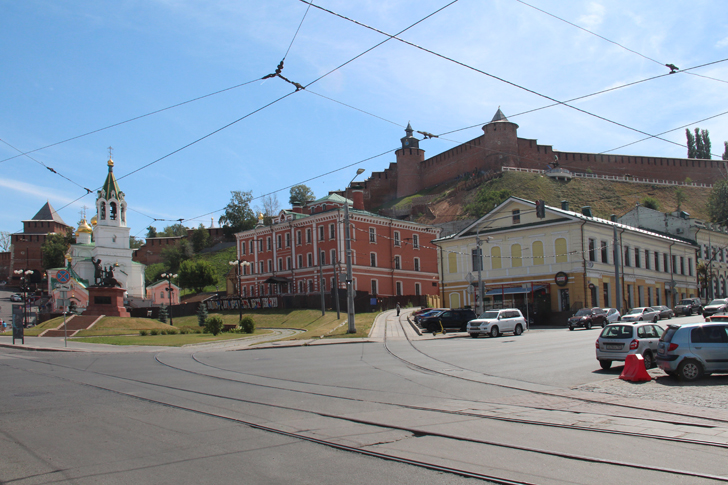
397,308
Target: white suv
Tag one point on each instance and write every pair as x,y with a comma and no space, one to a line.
495,322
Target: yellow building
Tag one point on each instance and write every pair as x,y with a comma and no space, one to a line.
562,262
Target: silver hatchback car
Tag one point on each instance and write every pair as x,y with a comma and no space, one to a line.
692,350
618,340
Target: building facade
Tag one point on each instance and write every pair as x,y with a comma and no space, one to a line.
563,261
304,252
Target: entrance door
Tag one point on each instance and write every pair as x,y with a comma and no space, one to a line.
454,300
564,302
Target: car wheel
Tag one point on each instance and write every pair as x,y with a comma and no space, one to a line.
604,323
588,325
494,331
474,335
654,320
649,360
518,330
571,328
689,370
606,364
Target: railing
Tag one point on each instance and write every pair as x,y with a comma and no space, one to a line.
615,178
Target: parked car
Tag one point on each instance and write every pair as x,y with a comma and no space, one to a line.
688,306
693,350
641,314
664,312
588,317
16,297
613,315
430,313
718,317
448,319
496,322
618,340
719,305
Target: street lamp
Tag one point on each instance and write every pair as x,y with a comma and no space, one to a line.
239,264
24,274
349,278
168,277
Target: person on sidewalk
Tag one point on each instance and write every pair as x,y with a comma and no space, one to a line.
397,308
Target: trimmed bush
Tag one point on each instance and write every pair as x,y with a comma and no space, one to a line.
202,314
247,324
213,325
143,333
185,331
154,331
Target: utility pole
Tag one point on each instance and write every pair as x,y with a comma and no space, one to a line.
336,293
323,299
617,254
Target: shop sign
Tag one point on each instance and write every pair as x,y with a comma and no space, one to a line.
561,278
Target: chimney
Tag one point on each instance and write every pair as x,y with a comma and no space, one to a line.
565,205
586,211
613,218
297,208
357,195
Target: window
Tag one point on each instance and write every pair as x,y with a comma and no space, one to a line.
373,260
690,266
397,263
626,256
682,265
605,253
308,236
332,231
112,211
647,260
415,241
399,288
322,257
300,261
242,248
270,246
270,265
418,291
592,250
665,265
396,238
103,211
560,247
279,242
288,263
674,264
245,291
417,264
374,286
477,259
310,286
301,287
537,250
372,235
298,238
261,267
310,259
516,256
333,256
321,233
452,262
495,257
606,294
636,257
260,245
288,239
516,216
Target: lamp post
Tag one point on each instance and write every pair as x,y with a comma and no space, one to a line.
240,265
24,274
168,277
349,277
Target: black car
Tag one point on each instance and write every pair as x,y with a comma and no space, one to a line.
588,318
448,319
688,306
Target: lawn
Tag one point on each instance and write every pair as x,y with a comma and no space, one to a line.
177,340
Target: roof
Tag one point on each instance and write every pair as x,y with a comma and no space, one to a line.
499,116
48,213
332,198
110,186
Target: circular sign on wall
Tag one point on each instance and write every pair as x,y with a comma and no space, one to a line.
561,278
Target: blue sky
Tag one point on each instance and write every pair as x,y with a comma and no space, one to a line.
74,67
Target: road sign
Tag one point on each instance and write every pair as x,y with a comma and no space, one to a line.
63,276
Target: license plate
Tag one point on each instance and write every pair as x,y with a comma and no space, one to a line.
613,347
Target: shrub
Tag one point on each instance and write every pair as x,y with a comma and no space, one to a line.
213,325
154,331
172,331
185,331
201,314
198,330
163,332
651,203
163,314
143,333
247,324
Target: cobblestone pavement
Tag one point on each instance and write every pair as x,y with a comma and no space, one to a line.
709,392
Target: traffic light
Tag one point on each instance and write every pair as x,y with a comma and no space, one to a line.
540,209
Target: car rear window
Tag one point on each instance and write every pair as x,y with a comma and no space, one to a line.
617,331
667,336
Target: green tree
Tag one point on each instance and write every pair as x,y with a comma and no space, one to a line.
692,153
680,196
699,145
174,255
201,314
174,230
718,202
651,203
247,324
213,325
238,215
135,243
196,275
725,152
200,239
486,200
54,249
163,313
300,194
152,272
151,231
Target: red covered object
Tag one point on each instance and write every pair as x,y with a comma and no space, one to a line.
634,369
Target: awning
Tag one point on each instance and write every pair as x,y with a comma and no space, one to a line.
277,280
519,290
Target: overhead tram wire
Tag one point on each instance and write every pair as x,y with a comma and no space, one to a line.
493,76
613,42
296,34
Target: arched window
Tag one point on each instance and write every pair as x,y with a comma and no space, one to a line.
112,211
103,211
560,248
537,250
495,257
516,261
452,262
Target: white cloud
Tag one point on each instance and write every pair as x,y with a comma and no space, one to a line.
722,43
594,17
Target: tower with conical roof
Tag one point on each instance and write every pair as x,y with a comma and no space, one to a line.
110,229
500,141
409,157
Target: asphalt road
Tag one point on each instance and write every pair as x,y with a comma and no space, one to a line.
499,407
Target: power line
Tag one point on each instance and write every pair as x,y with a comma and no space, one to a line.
294,35
355,108
467,66
131,119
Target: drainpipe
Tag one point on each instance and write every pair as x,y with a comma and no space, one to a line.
442,279
583,257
